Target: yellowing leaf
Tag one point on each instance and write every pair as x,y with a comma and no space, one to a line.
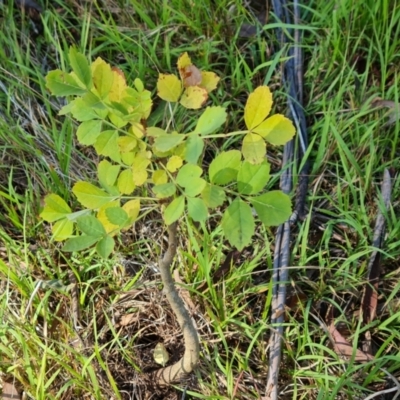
209,80
194,97
184,61
132,208
125,182
102,217
117,120
174,163
159,177
137,130
254,148
62,230
258,106
126,143
102,77
160,354
91,196
118,87
276,130
140,177
55,208
169,87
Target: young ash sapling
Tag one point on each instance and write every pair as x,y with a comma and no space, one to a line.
134,157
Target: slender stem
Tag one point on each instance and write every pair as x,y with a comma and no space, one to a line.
185,365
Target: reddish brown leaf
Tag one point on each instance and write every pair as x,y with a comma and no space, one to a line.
9,392
344,349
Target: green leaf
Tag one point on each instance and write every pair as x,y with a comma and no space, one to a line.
238,224
117,216
125,182
174,210
253,178
213,196
91,196
55,208
276,130
81,67
80,110
164,190
197,209
88,132
258,106
168,141
91,226
224,168
103,77
194,148
107,173
105,246
273,208
189,178
62,84
211,119
187,173
62,230
254,148
79,243
107,145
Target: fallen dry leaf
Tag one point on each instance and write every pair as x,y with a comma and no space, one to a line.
9,392
344,349
394,110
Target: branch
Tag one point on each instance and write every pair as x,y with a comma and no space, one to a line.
185,365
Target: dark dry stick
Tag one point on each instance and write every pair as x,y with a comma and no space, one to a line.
292,79
185,365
